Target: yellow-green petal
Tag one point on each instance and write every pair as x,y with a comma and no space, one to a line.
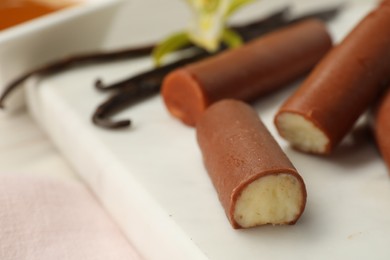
231,38
169,45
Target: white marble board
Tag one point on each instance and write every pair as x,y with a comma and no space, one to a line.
152,181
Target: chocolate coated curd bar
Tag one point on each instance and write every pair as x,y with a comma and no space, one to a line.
382,127
255,181
341,87
245,73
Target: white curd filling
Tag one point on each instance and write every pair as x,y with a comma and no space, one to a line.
301,133
272,199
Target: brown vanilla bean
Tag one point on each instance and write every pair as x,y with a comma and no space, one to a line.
114,104
73,61
133,90
152,77
251,30
324,15
280,19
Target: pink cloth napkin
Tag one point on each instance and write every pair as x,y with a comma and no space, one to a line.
44,218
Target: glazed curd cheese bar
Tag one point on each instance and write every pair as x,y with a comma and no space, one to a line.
255,181
382,127
259,67
340,88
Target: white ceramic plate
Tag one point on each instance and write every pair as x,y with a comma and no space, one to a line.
79,28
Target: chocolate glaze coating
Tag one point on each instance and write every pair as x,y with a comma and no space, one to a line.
347,80
385,2
237,150
382,127
245,73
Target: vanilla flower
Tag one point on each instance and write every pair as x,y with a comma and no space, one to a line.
207,28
